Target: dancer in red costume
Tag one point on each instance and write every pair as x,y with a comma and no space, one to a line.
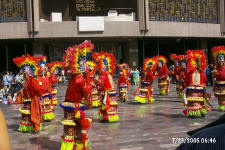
54,69
148,76
75,122
108,108
46,100
31,112
95,97
162,73
219,74
195,97
176,72
123,82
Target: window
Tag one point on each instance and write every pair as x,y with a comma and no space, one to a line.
201,11
13,11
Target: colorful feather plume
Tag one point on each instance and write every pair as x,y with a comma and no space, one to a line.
173,57
124,67
161,59
196,57
106,62
75,57
55,66
92,67
216,51
28,61
150,62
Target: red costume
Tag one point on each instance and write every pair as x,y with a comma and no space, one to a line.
219,74
195,97
108,108
164,81
147,79
31,112
123,82
75,123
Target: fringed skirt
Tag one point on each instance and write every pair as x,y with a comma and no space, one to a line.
196,99
145,93
219,91
109,114
47,107
123,92
76,125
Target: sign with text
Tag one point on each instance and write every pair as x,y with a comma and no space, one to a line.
86,5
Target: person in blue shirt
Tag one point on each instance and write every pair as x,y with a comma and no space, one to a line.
6,80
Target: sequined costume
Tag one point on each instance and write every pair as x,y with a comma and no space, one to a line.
123,82
95,96
45,83
163,78
108,108
75,122
31,111
195,97
54,67
219,74
145,91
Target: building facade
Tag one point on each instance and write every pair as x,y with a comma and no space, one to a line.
131,29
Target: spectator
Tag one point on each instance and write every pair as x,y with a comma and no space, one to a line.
1,92
19,81
6,80
4,93
136,77
12,78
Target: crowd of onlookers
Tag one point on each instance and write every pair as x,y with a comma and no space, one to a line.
10,86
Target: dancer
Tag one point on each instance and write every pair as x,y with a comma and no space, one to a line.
195,96
162,73
108,108
176,72
147,79
54,69
46,100
91,69
31,112
75,122
123,82
219,74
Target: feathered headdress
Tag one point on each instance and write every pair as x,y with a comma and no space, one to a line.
196,57
106,62
124,67
92,67
162,59
218,53
27,64
76,57
55,66
42,61
150,62
174,57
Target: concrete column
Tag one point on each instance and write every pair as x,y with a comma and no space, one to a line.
142,6
29,15
146,15
221,15
36,17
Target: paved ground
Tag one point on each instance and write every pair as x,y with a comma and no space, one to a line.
141,127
